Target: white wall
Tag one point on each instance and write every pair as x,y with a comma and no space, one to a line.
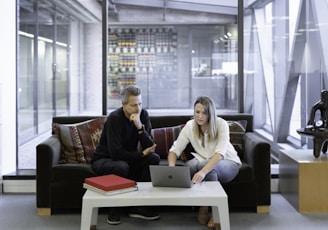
1,131
7,87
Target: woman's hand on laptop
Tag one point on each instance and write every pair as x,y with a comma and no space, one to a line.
198,177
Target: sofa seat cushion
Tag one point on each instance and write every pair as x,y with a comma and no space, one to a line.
71,172
245,175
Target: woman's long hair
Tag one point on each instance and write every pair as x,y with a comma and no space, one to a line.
210,110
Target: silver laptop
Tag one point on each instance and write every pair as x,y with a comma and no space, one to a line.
166,176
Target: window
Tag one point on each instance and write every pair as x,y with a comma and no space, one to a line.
53,69
180,55
174,64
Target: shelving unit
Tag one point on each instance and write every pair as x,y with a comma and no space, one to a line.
137,55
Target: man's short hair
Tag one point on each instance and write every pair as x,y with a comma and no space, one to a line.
131,90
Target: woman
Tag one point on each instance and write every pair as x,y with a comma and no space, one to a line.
215,159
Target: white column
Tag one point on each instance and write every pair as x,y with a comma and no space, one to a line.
8,87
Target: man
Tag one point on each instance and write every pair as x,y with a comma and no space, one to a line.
126,148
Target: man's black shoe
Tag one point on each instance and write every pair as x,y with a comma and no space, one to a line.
114,216
145,213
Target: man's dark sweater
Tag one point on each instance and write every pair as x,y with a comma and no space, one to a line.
119,139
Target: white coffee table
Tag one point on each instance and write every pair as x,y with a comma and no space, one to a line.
208,193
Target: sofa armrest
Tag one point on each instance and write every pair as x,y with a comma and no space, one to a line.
257,154
47,155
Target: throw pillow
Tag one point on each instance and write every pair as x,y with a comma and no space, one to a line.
78,141
71,146
237,135
90,133
164,138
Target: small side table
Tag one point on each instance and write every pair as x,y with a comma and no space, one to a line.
320,138
303,180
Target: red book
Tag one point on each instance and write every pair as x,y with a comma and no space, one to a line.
110,182
109,193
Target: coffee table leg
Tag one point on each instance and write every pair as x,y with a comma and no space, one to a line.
89,217
94,218
221,215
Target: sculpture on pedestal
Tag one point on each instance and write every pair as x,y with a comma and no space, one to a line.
318,128
321,105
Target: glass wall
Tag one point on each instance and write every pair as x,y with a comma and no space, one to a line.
174,53
43,75
286,67
174,64
180,55
53,68
59,68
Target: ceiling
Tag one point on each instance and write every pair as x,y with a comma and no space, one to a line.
229,7
90,11
152,11
87,11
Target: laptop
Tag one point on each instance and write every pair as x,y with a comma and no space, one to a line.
167,176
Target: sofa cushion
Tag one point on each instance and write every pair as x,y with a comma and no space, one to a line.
78,141
90,133
237,135
245,174
164,138
72,172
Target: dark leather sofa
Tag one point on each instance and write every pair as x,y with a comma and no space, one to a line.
59,186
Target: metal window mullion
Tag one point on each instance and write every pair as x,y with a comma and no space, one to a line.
35,68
